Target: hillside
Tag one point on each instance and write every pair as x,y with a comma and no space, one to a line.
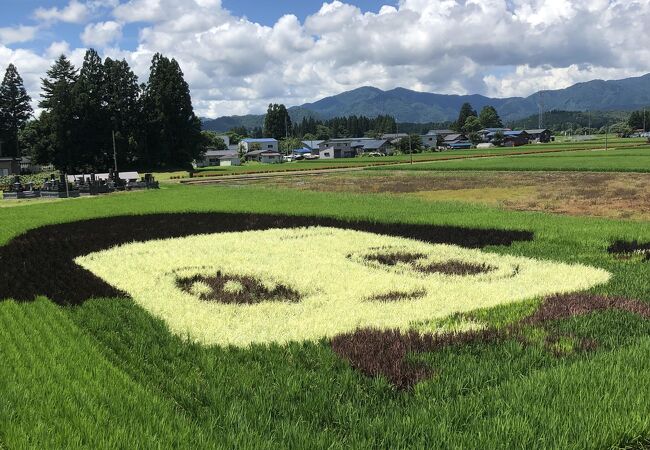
421,107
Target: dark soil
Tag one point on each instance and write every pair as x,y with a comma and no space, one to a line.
41,261
396,296
455,268
392,259
376,352
252,291
451,267
629,248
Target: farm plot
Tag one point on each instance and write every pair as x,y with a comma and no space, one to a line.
90,366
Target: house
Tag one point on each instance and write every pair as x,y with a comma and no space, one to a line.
270,157
267,144
9,166
213,157
515,138
487,134
373,145
540,135
341,148
263,156
394,138
443,133
456,141
312,146
429,140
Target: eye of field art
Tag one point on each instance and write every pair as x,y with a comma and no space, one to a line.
281,285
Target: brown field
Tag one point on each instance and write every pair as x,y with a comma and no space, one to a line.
616,195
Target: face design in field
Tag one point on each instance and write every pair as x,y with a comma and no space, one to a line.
281,285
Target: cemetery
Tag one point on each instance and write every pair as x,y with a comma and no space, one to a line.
73,186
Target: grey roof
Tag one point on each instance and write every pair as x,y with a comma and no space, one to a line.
455,137
394,135
220,153
374,144
538,131
441,132
251,140
312,144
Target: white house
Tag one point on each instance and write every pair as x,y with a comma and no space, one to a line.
267,144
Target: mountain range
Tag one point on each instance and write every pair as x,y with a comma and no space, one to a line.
423,107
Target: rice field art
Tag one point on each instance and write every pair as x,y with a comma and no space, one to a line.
277,330
283,285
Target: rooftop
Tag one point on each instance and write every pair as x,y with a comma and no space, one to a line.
250,140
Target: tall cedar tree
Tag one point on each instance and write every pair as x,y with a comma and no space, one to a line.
15,111
490,118
92,134
123,109
277,123
57,119
465,112
173,130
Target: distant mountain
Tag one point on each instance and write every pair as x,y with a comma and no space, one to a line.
421,107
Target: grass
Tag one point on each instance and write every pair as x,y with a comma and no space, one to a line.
615,160
107,374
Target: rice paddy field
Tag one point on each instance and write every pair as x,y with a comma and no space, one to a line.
271,316
594,160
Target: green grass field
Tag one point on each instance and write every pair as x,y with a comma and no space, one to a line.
108,374
365,161
615,160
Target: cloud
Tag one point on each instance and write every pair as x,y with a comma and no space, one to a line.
14,35
101,34
493,47
74,12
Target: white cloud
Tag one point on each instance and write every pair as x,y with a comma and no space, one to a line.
14,35
494,47
101,34
74,12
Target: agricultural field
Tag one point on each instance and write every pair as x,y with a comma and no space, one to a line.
618,195
381,162
596,160
278,316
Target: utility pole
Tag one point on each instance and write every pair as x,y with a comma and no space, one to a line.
606,134
540,120
115,154
410,148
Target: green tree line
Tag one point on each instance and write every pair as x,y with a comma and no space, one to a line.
86,113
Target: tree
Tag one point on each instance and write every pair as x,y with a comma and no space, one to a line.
410,144
289,144
15,111
472,125
213,140
35,141
465,112
173,135
498,138
123,110
277,123
57,119
489,118
92,130
636,120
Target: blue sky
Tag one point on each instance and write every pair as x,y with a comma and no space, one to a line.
266,12
240,55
